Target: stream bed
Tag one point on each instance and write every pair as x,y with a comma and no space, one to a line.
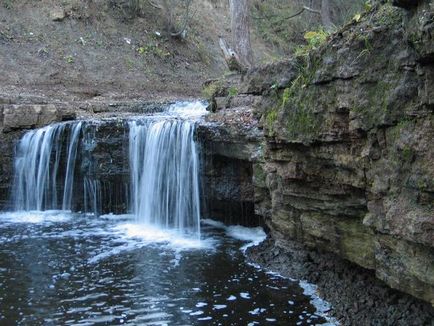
75,269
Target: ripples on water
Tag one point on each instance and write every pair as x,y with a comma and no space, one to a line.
58,268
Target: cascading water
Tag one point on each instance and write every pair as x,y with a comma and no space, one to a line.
164,165
37,163
84,166
163,159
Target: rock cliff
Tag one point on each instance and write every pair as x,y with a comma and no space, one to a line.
346,157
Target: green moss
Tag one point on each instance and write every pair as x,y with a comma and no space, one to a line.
271,118
395,131
259,175
153,49
299,101
422,184
233,91
8,4
389,15
295,105
314,39
69,59
285,97
210,90
302,122
366,44
407,153
373,109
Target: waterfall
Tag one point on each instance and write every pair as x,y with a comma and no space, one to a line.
70,166
60,166
164,168
37,162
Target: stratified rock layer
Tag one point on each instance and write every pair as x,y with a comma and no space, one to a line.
347,161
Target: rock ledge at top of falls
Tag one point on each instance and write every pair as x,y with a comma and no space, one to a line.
345,161
18,114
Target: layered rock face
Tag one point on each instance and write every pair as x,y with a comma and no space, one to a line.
14,120
230,142
347,161
102,170
102,167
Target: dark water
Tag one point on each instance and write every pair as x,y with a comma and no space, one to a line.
60,269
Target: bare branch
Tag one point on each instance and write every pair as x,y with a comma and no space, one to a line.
185,23
312,10
298,13
154,4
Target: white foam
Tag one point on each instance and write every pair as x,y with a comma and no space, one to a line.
118,217
231,298
197,313
132,236
214,223
188,109
257,311
245,295
254,236
151,234
219,306
36,217
322,306
113,252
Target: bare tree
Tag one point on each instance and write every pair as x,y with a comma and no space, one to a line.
326,15
176,24
240,27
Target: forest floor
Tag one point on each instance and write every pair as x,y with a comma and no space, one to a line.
78,50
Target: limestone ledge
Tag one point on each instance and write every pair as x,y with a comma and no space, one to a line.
345,162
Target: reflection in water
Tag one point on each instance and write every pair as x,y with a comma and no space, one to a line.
72,269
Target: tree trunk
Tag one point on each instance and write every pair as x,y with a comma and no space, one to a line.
326,14
231,58
241,31
167,12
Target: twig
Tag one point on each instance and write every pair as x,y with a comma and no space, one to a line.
154,4
304,8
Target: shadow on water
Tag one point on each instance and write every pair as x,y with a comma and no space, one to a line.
74,269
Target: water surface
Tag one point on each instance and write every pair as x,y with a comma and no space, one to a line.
62,268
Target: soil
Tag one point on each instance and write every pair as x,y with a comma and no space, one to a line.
100,49
356,295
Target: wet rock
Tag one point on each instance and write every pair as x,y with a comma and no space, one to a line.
406,3
57,14
347,140
356,295
265,78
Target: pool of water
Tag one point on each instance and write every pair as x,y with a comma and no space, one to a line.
71,269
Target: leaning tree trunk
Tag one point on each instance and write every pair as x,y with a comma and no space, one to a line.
241,31
167,12
326,14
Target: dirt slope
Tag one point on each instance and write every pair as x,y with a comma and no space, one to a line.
77,49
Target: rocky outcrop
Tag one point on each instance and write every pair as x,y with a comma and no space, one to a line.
230,141
102,176
346,165
14,119
110,183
